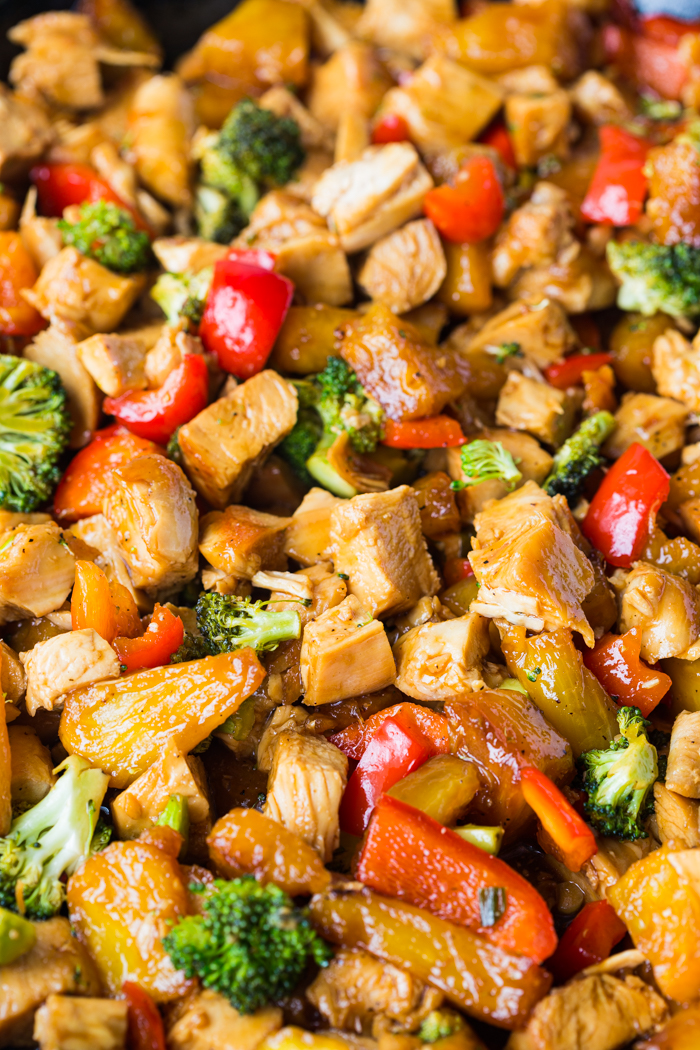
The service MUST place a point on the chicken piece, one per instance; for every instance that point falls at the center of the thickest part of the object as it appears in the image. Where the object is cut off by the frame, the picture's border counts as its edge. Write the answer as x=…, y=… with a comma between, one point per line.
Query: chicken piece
x=404, y=27
x=41, y=236
x=285, y=719
x=365, y=199
x=57, y=964
x=665, y=608
x=409, y=378
x=283, y=103
x=223, y=444
x=444, y=104
x=167, y=354
x=307, y=781
x=676, y=817
x=304, y=248
x=352, y=138
x=56, y=348
x=534, y=576
x=352, y=79
x=536, y=233
x=542, y=332
x=406, y=268
x=37, y=570
x=683, y=770
x=435, y=661
x=115, y=362
x=540, y=409
x=25, y=132
x=31, y=768
x=99, y=534
x=13, y=680
x=161, y=125
x=72, y=287
x=240, y=541
x=65, y=662
x=531, y=459
x=539, y=125
x=357, y=990
x=60, y=63
x=614, y=857
x=187, y=254
x=578, y=277
x=68, y=1023
x=598, y=100
x=207, y=1021
x=152, y=509
x=676, y=368
x=174, y=773
x=658, y=423
x=599, y=1012
x=308, y=535
x=344, y=653
x=326, y=590
x=379, y=545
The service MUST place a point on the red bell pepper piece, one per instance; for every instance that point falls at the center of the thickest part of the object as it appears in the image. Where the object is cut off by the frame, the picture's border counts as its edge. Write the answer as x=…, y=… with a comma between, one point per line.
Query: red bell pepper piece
x=618, y=187
x=622, y=510
x=569, y=372
x=472, y=209
x=496, y=136
x=17, y=271
x=60, y=185
x=616, y=663
x=397, y=748
x=646, y=61
x=154, y=648
x=409, y=855
x=391, y=128
x=146, y=1030
x=434, y=432
x=434, y=727
x=573, y=838
x=668, y=30
x=156, y=414
x=244, y=312
x=456, y=569
x=588, y=940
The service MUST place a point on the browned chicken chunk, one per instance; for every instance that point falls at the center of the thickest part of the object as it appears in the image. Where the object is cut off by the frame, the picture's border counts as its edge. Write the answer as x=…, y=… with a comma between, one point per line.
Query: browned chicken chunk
x=683, y=772
x=240, y=542
x=436, y=661
x=405, y=268
x=78, y=1023
x=65, y=662
x=665, y=607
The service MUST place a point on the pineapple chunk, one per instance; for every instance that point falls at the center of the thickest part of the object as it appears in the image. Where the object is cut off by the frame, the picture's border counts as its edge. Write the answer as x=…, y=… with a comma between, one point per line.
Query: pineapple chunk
x=538, y=408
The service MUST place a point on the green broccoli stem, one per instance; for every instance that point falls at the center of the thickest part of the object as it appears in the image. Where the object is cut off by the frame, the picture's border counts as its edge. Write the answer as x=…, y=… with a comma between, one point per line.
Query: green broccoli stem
x=230, y=623
x=579, y=455
x=176, y=815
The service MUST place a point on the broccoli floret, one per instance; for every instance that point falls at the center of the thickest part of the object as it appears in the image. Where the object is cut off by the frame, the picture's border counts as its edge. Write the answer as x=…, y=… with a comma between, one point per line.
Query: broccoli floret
x=619, y=779
x=439, y=1024
x=183, y=295
x=218, y=217
x=35, y=424
x=578, y=456
x=485, y=461
x=194, y=647
x=251, y=944
x=51, y=839
x=228, y=622
x=108, y=234
x=657, y=277
x=254, y=152
x=300, y=444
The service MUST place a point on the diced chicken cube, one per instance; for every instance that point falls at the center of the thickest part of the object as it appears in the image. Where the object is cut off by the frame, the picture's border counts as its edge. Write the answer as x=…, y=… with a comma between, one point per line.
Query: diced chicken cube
x=285, y=719
x=443, y=104
x=404, y=26
x=308, y=535
x=57, y=348
x=536, y=233
x=306, y=784
x=326, y=590
x=207, y=1021
x=60, y=664
x=240, y=541
x=99, y=534
x=167, y=353
x=41, y=236
x=61, y=61
x=676, y=368
x=539, y=125
x=344, y=653
x=676, y=817
x=538, y=408
x=187, y=254
x=31, y=766
x=683, y=770
x=37, y=570
x=225, y=442
x=174, y=773
x=543, y=333
x=25, y=132
x=613, y=859
x=435, y=661
x=72, y=287
x=534, y=576
x=367, y=198
x=161, y=124
x=664, y=607
x=598, y=100
x=379, y=545
x=115, y=362
x=352, y=79
x=57, y=964
x=76, y=1023
x=658, y=423
x=530, y=458
x=526, y=505
x=152, y=509
x=406, y=268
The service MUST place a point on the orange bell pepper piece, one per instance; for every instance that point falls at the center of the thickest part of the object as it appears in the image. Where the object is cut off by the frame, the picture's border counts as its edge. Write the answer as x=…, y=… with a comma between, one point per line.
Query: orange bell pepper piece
x=434, y=432
x=91, y=602
x=354, y=740
x=126, y=611
x=17, y=271
x=146, y=1030
x=617, y=665
x=570, y=834
x=163, y=636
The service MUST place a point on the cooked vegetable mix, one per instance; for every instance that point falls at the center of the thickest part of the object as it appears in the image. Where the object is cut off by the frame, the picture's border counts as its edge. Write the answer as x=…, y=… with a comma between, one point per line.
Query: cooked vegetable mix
x=350, y=529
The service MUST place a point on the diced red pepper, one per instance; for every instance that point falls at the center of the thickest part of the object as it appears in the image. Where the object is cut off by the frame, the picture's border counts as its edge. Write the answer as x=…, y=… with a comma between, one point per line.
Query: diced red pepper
x=618, y=187
x=456, y=569
x=60, y=185
x=616, y=663
x=434, y=432
x=391, y=128
x=434, y=727
x=570, y=833
x=397, y=748
x=17, y=271
x=244, y=312
x=646, y=61
x=668, y=30
x=497, y=137
x=588, y=940
x=472, y=209
x=409, y=855
x=569, y=372
x=156, y=414
x=154, y=648
x=146, y=1030
x=622, y=510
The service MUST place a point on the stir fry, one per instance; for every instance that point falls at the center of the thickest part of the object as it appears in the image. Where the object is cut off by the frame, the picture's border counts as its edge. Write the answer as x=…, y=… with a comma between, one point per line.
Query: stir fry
x=350, y=529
